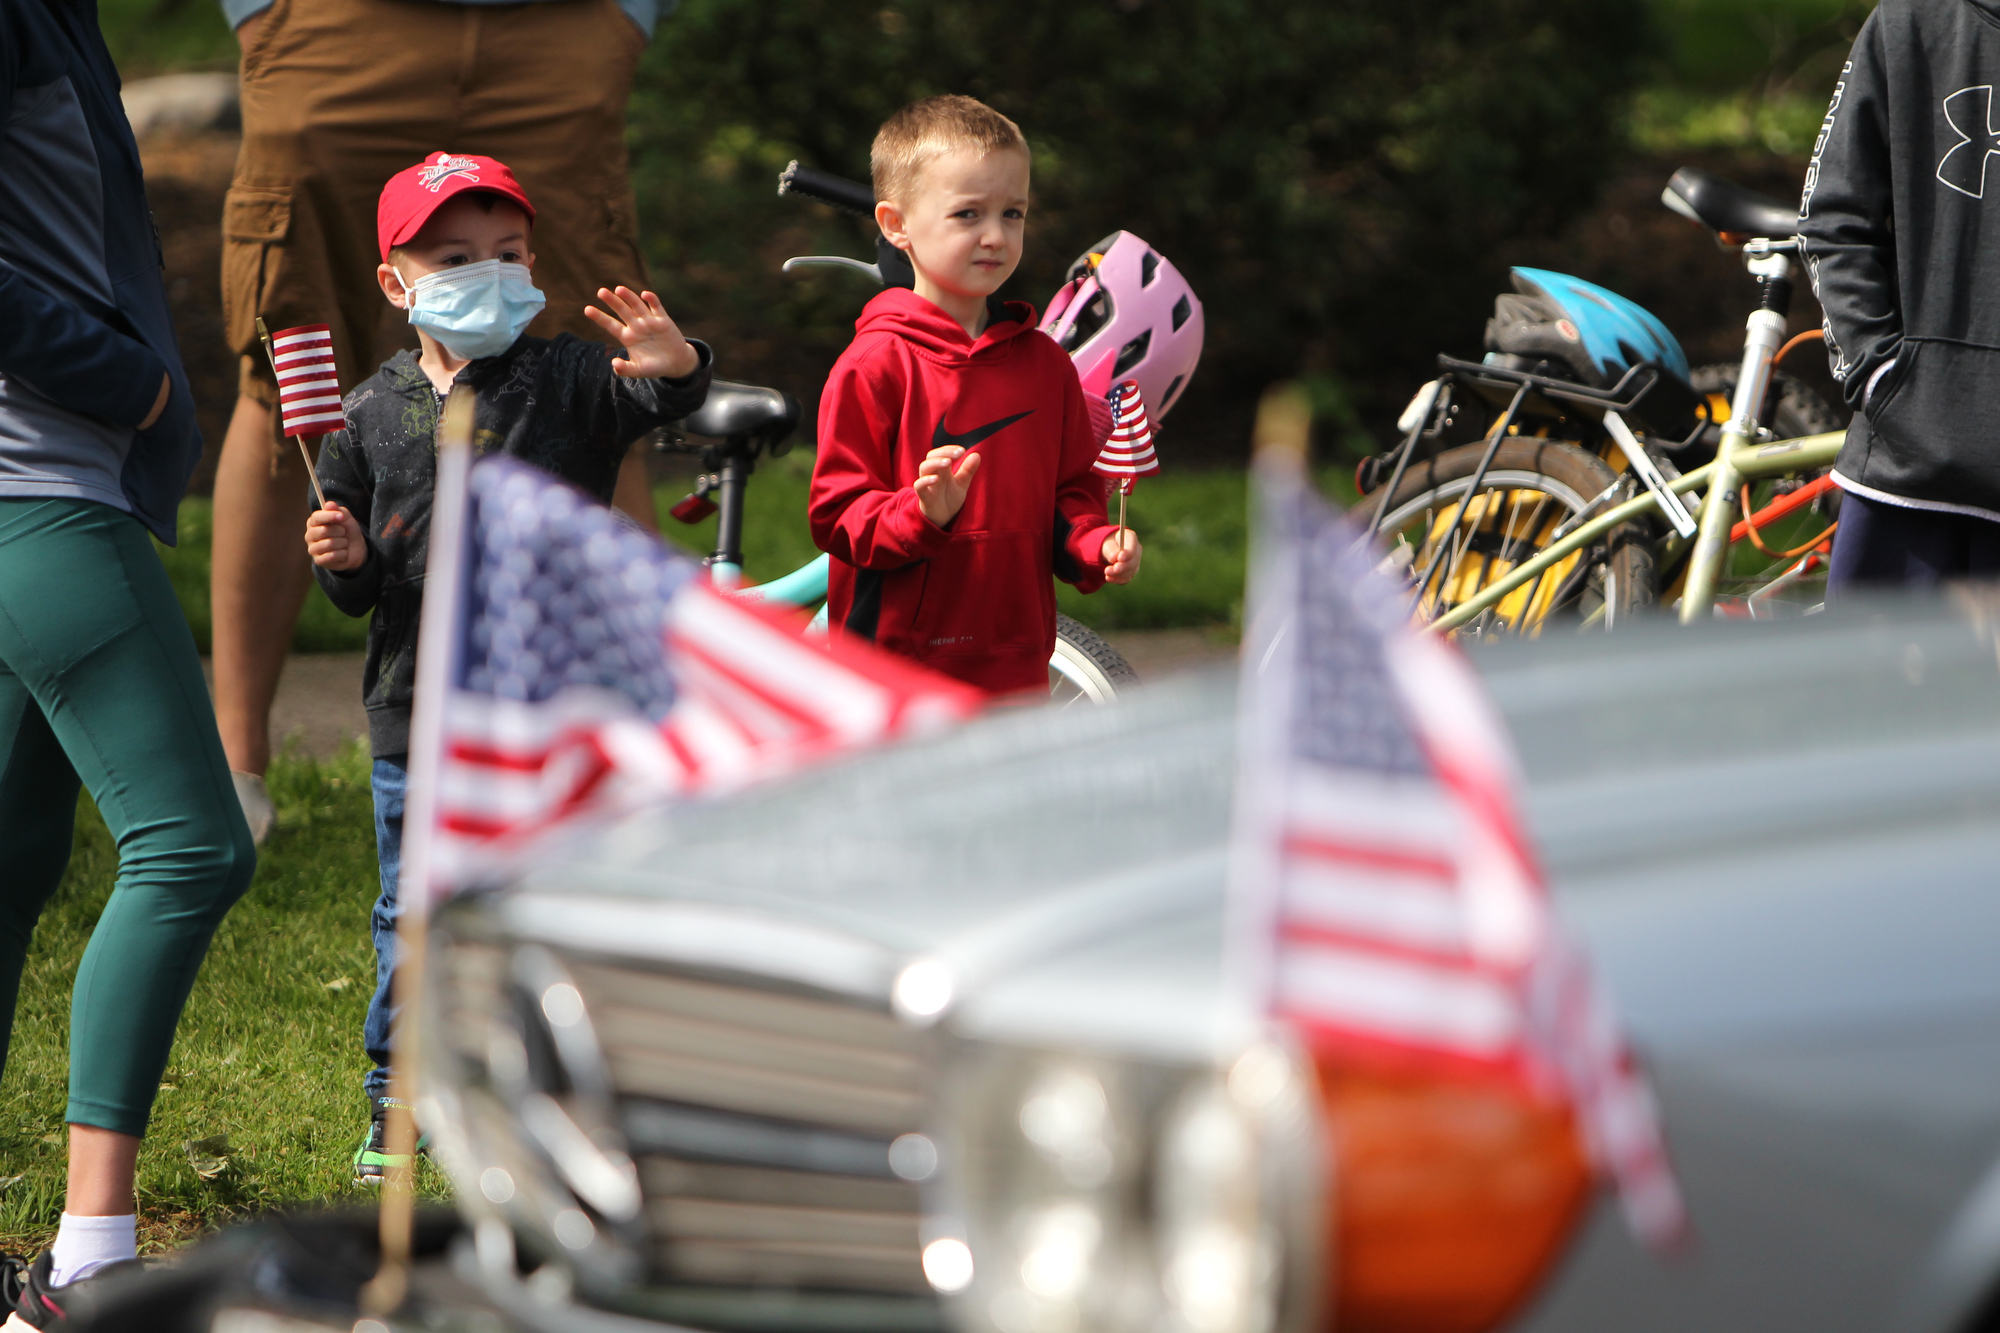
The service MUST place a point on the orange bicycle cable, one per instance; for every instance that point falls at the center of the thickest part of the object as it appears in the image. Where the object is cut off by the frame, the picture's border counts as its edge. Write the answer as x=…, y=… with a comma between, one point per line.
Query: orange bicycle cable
x=1750, y=530
x=1810, y=335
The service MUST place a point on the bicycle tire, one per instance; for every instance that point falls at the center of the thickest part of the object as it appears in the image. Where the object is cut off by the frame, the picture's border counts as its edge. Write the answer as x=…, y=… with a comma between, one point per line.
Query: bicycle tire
x=1616, y=573
x=1084, y=668
x=1792, y=407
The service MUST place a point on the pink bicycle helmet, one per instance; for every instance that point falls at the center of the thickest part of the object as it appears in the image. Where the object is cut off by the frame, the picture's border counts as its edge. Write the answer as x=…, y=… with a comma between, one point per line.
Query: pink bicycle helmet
x=1125, y=313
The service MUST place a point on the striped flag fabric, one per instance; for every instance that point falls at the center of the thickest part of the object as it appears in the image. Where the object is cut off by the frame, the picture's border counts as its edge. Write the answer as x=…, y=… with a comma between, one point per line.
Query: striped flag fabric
x=1127, y=453
x=308, y=389
x=1387, y=896
x=594, y=669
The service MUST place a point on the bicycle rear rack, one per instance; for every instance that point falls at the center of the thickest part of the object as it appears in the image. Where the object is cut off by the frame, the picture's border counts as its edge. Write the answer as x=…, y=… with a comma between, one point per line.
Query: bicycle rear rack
x=1623, y=397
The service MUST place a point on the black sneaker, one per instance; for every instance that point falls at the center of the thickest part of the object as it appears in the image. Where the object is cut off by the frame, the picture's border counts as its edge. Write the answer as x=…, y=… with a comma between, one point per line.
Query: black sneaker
x=38, y=1305
x=373, y=1159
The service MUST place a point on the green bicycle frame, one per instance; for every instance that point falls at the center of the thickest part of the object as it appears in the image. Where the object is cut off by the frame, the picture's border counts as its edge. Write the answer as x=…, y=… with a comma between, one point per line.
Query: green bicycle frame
x=1751, y=463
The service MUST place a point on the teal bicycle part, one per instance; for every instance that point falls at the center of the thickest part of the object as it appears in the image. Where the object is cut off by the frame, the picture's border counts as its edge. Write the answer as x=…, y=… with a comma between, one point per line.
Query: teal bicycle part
x=804, y=586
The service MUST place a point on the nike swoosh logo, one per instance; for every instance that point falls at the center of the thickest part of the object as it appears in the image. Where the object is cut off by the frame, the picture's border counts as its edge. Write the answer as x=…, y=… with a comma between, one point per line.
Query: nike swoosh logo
x=966, y=439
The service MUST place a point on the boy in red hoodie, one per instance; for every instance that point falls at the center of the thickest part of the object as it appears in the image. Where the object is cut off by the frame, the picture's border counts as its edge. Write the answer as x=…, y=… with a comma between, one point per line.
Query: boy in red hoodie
x=954, y=472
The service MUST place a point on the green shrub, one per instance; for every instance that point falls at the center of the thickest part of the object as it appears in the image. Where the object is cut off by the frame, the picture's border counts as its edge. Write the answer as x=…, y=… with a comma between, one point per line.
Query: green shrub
x=1333, y=178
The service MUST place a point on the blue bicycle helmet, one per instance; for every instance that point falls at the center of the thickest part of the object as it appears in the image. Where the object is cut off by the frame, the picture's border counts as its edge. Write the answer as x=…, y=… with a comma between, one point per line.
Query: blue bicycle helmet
x=1596, y=333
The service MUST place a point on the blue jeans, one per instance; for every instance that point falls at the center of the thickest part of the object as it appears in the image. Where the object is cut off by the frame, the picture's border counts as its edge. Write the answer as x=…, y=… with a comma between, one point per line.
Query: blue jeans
x=388, y=781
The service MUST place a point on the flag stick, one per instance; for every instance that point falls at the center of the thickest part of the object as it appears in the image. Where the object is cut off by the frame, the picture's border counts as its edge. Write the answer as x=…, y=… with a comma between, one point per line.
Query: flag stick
x=436, y=648
x=271, y=354
x=1124, y=489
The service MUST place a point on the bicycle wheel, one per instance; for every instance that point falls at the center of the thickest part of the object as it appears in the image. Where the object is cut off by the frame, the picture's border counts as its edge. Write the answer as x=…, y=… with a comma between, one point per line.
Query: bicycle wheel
x=1525, y=501
x=1084, y=668
x=1791, y=409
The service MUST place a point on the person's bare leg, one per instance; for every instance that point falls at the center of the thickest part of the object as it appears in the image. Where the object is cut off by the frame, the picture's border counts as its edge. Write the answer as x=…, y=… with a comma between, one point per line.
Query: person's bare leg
x=634, y=495
x=102, y=1166
x=258, y=579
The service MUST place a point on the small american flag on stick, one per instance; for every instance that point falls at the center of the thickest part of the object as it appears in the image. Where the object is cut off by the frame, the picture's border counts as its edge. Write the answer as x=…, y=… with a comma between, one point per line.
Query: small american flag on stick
x=1127, y=453
x=308, y=386
x=1388, y=904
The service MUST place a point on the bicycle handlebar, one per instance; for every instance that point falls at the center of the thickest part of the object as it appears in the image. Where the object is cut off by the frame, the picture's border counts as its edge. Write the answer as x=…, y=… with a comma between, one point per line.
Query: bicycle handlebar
x=827, y=188
x=892, y=266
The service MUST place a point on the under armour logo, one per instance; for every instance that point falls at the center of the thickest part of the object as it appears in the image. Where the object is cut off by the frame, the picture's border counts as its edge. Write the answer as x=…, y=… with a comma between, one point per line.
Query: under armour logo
x=433, y=175
x=1969, y=111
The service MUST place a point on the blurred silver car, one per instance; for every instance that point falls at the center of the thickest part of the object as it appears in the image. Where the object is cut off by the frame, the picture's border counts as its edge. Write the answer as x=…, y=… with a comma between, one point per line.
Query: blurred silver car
x=937, y=1037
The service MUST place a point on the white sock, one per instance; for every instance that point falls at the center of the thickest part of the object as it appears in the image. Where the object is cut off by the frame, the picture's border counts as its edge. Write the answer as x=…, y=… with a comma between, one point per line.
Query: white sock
x=85, y=1244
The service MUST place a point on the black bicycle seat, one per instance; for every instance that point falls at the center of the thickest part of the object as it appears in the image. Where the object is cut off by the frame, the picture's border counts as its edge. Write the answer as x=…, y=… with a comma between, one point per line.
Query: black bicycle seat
x=745, y=409
x=1727, y=208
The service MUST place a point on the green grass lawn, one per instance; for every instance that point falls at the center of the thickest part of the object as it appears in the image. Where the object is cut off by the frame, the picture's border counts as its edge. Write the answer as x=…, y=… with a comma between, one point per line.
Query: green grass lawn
x=1193, y=525
x=269, y=1052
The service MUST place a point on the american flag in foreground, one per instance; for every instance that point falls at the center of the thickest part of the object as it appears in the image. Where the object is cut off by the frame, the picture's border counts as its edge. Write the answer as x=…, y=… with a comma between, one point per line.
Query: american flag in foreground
x=1392, y=908
x=308, y=389
x=593, y=669
x=1127, y=453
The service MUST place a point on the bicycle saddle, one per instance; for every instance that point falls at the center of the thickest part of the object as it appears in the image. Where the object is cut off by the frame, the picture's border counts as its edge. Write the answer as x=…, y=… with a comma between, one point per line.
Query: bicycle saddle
x=1727, y=208
x=745, y=409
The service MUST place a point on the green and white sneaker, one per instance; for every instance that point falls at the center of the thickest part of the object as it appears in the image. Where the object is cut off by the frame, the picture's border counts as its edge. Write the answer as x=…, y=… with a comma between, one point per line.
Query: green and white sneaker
x=373, y=1159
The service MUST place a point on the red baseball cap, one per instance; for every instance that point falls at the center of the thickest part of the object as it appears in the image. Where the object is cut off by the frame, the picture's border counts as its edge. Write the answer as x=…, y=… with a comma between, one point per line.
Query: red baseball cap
x=414, y=193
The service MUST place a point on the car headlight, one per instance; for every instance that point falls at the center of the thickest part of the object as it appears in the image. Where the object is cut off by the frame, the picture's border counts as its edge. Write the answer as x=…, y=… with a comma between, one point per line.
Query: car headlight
x=1099, y=1194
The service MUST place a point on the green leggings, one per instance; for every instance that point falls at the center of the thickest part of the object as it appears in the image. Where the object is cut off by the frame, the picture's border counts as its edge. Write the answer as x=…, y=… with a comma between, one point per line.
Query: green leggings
x=100, y=682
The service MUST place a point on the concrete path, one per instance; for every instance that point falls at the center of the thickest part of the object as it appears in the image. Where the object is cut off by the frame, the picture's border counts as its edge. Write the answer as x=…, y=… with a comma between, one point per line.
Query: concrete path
x=319, y=696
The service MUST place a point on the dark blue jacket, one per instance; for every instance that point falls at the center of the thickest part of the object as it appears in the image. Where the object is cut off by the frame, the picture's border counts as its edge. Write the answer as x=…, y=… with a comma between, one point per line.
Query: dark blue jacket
x=90, y=351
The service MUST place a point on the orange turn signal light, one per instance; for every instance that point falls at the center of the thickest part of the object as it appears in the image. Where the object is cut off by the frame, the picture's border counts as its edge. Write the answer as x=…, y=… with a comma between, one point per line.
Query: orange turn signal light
x=1451, y=1199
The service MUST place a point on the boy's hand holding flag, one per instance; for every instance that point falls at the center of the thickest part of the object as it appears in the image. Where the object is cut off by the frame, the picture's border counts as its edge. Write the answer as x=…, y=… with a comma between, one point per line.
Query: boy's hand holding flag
x=1126, y=455
x=309, y=404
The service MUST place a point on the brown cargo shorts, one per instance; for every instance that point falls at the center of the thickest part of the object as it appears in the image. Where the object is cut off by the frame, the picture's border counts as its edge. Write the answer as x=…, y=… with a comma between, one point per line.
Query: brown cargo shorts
x=339, y=95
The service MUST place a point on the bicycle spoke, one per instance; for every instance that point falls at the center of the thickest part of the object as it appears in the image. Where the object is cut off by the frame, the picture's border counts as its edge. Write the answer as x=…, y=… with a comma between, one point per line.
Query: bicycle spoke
x=1528, y=528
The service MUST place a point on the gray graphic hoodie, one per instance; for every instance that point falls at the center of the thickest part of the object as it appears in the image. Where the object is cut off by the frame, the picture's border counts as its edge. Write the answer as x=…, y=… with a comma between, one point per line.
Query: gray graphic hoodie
x=1900, y=232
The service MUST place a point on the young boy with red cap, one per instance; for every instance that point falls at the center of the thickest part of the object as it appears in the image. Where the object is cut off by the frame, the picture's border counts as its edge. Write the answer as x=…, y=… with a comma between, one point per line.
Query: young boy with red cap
x=953, y=481
x=455, y=234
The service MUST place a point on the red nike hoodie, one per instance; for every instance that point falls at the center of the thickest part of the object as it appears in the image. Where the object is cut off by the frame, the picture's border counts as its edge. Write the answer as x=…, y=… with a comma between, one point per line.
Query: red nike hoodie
x=974, y=599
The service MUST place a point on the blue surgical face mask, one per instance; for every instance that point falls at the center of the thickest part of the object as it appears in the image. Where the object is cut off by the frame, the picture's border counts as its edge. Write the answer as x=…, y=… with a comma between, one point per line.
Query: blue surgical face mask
x=475, y=310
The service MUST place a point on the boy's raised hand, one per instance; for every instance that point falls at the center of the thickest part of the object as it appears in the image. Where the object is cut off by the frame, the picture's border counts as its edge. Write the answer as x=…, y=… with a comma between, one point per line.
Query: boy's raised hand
x=654, y=347
x=940, y=487
x=1121, y=556
x=334, y=539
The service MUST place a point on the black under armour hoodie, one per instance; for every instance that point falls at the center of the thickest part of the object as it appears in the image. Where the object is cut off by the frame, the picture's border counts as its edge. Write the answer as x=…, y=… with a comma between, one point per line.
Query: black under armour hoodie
x=1900, y=232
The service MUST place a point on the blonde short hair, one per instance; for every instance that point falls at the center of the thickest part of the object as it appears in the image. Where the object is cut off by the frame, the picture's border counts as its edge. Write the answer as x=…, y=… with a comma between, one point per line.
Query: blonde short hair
x=923, y=131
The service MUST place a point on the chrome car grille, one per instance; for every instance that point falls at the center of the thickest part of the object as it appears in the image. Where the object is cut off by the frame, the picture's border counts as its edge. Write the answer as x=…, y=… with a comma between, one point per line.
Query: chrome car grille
x=761, y=1123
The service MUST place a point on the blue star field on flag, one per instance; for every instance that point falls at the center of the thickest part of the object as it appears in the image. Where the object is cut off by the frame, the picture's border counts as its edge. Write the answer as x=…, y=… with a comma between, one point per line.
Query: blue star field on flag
x=563, y=593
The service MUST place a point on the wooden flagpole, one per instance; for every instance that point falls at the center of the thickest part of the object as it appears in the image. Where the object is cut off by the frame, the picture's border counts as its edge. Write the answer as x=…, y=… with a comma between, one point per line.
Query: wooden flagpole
x=271, y=354
x=437, y=646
